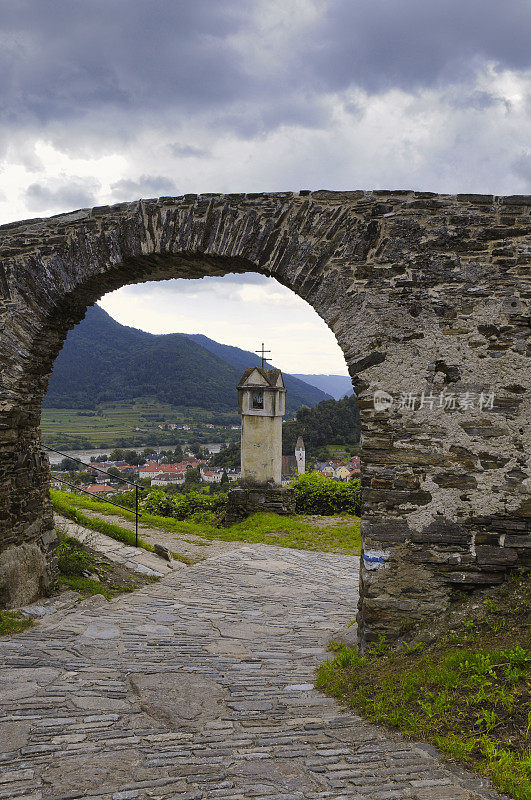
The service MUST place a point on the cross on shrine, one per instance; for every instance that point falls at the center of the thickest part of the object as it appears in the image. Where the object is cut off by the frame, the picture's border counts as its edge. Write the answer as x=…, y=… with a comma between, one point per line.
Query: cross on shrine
x=262, y=353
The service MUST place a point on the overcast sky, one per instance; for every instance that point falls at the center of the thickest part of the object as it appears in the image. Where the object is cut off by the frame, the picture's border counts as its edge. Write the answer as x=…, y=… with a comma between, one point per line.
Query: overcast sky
x=109, y=100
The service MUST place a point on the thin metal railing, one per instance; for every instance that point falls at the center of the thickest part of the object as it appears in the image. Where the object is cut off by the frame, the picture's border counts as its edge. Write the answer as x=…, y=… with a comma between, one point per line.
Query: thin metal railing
x=116, y=477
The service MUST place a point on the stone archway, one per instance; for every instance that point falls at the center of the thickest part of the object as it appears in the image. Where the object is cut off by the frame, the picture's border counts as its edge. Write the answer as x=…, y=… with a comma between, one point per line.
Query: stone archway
x=425, y=294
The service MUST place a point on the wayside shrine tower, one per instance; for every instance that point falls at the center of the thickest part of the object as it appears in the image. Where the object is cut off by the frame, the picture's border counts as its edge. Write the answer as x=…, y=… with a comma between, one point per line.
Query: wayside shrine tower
x=262, y=404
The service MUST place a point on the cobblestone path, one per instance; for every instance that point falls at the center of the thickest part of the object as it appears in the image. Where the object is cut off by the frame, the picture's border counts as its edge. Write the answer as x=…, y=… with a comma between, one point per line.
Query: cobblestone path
x=199, y=686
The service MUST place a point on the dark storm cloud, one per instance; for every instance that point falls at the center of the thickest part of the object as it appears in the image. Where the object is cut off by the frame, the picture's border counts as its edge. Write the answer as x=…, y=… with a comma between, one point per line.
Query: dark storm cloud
x=130, y=60
x=145, y=186
x=65, y=58
x=75, y=193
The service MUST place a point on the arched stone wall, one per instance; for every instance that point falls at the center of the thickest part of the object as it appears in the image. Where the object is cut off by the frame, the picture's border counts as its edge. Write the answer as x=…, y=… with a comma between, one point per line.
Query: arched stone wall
x=425, y=294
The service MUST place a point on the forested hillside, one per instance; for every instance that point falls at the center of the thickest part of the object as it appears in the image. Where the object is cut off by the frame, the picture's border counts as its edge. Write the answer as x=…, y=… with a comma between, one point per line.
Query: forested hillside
x=330, y=422
x=104, y=361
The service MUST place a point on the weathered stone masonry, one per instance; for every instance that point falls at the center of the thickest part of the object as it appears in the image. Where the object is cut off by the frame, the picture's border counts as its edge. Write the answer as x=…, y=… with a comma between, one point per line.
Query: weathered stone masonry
x=423, y=292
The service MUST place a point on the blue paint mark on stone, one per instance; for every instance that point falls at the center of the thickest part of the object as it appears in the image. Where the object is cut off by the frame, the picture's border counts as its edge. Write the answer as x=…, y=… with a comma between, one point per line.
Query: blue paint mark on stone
x=375, y=559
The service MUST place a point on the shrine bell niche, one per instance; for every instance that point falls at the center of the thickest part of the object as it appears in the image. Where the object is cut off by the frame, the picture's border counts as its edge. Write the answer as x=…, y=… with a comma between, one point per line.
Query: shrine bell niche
x=261, y=404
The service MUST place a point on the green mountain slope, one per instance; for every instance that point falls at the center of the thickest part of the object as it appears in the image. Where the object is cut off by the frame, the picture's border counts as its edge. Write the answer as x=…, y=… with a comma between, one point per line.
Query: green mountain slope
x=104, y=361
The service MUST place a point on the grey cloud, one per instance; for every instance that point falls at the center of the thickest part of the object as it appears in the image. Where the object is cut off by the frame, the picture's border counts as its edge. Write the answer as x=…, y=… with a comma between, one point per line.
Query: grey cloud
x=479, y=101
x=65, y=59
x=522, y=167
x=187, y=151
x=76, y=193
x=145, y=186
x=213, y=283
x=209, y=284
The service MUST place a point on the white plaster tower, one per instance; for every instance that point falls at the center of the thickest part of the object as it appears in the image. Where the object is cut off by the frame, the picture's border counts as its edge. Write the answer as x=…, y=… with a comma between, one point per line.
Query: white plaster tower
x=262, y=404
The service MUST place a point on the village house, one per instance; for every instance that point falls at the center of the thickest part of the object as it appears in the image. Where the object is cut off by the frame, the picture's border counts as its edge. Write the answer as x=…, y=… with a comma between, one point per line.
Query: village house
x=233, y=474
x=327, y=469
x=211, y=476
x=342, y=473
x=100, y=489
x=151, y=469
x=165, y=479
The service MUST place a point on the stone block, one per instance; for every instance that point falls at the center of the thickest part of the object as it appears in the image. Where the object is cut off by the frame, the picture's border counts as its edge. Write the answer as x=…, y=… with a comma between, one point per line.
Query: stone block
x=517, y=542
x=163, y=552
x=24, y=575
x=244, y=501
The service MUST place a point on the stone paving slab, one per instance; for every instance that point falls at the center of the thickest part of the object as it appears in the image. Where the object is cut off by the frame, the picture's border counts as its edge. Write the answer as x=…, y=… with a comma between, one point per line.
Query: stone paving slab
x=200, y=686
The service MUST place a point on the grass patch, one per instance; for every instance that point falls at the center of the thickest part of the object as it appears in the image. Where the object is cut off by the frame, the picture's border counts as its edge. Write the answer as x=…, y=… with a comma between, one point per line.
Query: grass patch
x=89, y=586
x=181, y=557
x=467, y=692
x=13, y=622
x=88, y=573
x=339, y=534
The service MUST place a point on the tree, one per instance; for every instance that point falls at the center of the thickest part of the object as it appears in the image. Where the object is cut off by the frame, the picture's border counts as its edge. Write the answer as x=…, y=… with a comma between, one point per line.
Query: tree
x=229, y=458
x=68, y=465
x=131, y=456
x=86, y=477
x=193, y=476
x=114, y=472
x=329, y=422
x=224, y=479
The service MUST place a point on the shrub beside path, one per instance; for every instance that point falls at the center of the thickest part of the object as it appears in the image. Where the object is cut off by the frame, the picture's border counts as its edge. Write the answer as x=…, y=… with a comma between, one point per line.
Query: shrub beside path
x=200, y=686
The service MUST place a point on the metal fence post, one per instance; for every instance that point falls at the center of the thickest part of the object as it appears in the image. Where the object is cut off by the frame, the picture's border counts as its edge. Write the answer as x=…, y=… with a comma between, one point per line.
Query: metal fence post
x=136, y=515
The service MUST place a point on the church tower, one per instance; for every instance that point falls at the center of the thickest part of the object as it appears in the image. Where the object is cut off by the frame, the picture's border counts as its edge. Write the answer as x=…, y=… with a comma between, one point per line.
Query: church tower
x=300, y=456
x=262, y=404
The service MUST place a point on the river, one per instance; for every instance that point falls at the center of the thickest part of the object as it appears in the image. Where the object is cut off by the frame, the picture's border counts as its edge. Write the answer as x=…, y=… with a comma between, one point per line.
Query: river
x=85, y=455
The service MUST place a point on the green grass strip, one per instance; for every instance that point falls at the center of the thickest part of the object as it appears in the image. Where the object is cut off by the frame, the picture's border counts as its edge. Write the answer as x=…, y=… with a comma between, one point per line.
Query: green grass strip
x=68, y=510
x=89, y=586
